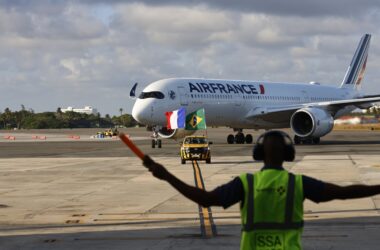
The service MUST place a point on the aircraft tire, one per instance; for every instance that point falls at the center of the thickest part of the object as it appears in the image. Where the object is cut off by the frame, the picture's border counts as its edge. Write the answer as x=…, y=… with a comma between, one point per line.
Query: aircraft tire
x=248, y=139
x=307, y=141
x=230, y=139
x=159, y=143
x=239, y=138
x=316, y=140
x=183, y=161
x=153, y=143
x=297, y=140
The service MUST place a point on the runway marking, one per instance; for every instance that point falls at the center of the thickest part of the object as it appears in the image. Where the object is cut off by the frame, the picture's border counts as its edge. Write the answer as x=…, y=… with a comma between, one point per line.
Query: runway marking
x=208, y=228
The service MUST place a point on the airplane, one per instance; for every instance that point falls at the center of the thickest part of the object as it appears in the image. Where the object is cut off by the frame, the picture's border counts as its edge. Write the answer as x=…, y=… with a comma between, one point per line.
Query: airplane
x=309, y=109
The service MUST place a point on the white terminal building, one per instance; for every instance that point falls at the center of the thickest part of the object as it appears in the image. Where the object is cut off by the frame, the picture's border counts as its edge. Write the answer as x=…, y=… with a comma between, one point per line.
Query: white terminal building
x=86, y=110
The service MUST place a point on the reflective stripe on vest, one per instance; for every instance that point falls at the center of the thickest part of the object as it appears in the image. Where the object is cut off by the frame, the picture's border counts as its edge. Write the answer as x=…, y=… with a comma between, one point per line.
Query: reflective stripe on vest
x=288, y=224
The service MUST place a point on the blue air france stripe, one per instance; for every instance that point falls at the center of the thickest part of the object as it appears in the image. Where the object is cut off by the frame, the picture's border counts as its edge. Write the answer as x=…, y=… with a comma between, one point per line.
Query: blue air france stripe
x=226, y=88
x=358, y=61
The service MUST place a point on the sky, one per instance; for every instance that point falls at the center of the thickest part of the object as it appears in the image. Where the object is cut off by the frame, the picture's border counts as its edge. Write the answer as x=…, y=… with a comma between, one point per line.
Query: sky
x=57, y=53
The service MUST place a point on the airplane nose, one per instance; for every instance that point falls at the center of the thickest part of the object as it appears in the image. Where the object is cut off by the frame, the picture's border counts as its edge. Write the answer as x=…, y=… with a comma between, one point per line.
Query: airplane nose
x=143, y=111
x=148, y=112
x=138, y=112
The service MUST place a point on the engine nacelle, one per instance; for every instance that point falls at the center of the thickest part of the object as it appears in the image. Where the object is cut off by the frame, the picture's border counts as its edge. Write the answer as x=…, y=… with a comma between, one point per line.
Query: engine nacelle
x=174, y=133
x=312, y=122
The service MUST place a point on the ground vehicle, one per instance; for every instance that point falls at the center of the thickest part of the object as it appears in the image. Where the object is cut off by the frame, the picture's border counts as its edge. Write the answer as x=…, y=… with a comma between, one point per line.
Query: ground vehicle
x=195, y=148
x=107, y=133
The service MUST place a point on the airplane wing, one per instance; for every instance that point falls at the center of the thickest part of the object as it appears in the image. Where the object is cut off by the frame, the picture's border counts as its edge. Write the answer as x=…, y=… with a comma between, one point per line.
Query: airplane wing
x=282, y=114
x=273, y=114
x=359, y=102
x=370, y=96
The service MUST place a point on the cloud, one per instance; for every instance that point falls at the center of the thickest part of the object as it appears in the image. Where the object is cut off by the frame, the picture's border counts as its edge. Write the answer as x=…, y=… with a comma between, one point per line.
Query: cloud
x=76, y=53
x=173, y=26
x=299, y=8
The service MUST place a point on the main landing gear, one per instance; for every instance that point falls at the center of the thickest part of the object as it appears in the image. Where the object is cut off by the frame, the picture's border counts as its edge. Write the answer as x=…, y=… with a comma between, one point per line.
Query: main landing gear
x=306, y=140
x=239, y=138
x=155, y=140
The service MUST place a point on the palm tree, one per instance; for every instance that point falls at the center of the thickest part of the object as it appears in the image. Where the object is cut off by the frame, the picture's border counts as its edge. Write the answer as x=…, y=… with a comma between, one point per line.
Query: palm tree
x=59, y=112
x=99, y=119
x=121, y=116
x=7, y=116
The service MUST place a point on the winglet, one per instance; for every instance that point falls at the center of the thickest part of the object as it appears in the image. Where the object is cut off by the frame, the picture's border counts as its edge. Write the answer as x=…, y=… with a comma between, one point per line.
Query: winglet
x=355, y=71
x=132, y=94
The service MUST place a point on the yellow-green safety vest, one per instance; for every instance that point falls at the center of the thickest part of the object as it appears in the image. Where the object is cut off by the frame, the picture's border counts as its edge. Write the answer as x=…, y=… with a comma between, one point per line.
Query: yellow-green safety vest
x=272, y=212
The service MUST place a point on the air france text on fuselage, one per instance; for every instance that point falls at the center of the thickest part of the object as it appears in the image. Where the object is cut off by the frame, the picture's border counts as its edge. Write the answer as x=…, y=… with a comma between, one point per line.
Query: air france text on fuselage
x=226, y=88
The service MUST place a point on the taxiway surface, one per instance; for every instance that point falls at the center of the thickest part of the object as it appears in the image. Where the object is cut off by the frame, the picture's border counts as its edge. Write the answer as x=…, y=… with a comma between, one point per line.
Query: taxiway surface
x=91, y=194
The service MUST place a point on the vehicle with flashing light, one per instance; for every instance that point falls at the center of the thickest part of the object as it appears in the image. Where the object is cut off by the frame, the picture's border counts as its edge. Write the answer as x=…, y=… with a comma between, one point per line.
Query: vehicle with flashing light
x=195, y=148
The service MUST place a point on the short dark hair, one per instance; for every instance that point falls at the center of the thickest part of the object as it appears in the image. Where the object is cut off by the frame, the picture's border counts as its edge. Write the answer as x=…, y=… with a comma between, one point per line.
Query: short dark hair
x=274, y=134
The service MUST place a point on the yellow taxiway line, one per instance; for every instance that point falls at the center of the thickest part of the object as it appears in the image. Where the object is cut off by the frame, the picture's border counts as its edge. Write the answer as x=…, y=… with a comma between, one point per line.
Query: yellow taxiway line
x=207, y=222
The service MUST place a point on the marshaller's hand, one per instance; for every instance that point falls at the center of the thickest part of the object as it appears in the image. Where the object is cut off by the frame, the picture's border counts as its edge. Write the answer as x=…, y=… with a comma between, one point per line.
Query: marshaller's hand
x=157, y=170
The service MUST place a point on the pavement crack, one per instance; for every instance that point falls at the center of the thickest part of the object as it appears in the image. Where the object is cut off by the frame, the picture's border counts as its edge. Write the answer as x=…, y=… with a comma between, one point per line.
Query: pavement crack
x=352, y=160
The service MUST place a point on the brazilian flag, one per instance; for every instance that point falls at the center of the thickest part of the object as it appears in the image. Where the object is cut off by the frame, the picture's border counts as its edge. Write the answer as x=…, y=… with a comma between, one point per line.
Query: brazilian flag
x=196, y=120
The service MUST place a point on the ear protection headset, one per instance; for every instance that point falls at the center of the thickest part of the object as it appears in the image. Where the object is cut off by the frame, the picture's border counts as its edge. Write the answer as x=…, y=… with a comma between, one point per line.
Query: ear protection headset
x=258, y=149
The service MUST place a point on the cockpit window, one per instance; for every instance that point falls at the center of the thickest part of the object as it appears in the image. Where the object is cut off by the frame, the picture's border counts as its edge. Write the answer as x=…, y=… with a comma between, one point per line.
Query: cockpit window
x=153, y=94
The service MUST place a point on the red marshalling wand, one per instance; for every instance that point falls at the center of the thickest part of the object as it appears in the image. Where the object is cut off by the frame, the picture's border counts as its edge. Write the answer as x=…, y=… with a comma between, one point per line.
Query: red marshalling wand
x=131, y=145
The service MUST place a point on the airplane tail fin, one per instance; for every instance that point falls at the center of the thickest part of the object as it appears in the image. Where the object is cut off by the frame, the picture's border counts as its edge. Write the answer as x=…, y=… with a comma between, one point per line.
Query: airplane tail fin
x=355, y=71
x=132, y=93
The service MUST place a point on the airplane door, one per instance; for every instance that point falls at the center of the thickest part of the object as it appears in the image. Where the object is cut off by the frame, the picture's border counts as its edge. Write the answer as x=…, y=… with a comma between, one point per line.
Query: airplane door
x=183, y=96
x=239, y=101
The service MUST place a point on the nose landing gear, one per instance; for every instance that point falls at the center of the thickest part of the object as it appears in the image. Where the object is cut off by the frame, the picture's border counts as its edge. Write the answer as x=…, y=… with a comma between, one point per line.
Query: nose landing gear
x=155, y=140
x=239, y=138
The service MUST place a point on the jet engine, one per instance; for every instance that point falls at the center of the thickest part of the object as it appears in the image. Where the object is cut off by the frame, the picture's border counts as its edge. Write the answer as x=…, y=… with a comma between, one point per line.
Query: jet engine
x=174, y=133
x=311, y=122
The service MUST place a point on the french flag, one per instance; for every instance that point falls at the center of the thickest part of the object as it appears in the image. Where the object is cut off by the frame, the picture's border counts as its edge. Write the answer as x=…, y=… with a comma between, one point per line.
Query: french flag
x=176, y=118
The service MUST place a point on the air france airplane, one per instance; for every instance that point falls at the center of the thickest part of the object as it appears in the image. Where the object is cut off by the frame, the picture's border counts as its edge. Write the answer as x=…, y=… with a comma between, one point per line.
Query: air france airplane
x=308, y=109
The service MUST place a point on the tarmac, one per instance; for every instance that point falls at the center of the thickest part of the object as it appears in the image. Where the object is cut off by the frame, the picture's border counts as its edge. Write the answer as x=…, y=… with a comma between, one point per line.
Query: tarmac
x=94, y=194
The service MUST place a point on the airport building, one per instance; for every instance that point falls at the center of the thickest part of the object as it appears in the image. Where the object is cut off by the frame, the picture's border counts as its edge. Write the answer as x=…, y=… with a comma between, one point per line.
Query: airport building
x=86, y=110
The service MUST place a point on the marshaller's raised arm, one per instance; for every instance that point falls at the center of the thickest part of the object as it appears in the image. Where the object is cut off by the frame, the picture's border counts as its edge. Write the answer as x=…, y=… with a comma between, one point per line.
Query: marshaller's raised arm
x=333, y=191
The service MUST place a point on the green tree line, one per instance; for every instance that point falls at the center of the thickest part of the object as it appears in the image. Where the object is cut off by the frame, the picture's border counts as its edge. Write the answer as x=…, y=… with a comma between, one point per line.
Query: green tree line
x=28, y=119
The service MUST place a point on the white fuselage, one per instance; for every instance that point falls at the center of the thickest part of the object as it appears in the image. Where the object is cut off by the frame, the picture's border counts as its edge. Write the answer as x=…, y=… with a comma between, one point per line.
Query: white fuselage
x=230, y=102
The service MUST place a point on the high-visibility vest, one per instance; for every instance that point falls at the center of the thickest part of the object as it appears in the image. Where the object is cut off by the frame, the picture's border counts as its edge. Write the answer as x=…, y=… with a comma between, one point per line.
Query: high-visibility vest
x=272, y=213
